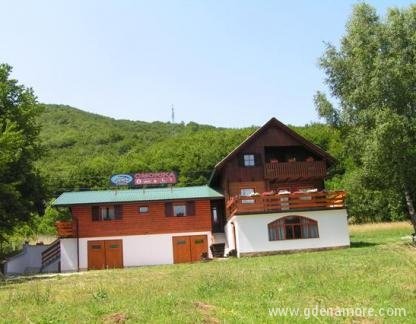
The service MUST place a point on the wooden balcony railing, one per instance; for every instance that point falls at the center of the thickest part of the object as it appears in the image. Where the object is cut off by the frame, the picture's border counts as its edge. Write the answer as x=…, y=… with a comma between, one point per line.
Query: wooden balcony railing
x=64, y=229
x=286, y=202
x=295, y=170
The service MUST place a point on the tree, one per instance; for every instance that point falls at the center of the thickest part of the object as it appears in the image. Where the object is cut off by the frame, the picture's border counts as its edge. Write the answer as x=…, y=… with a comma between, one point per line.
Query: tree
x=21, y=191
x=372, y=77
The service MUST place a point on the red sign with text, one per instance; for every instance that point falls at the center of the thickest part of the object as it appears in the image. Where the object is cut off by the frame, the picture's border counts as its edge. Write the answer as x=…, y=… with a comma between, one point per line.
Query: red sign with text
x=155, y=178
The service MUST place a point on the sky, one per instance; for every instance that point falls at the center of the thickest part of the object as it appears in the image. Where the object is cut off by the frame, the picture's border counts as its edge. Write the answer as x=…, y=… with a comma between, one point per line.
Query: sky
x=224, y=63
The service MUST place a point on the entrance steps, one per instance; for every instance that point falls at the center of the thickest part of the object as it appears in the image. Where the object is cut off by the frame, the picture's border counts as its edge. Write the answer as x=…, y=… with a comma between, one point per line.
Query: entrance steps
x=219, y=247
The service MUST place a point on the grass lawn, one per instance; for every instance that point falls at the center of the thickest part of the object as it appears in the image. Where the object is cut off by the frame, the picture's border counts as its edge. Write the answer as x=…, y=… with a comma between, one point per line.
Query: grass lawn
x=378, y=271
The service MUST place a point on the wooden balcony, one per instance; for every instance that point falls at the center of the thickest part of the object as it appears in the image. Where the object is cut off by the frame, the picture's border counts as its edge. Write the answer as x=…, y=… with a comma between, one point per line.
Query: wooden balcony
x=284, y=171
x=286, y=202
x=64, y=229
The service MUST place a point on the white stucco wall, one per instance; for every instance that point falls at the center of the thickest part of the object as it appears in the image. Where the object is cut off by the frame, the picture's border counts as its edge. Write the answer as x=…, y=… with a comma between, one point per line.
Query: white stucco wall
x=138, y=250
x=229, y=235
x=69, y=261
x=29, y=258
x=252, y=231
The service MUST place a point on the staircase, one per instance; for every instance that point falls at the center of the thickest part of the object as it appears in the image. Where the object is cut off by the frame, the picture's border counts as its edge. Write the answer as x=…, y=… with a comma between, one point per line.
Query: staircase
x=51, y=255
x=219, y=245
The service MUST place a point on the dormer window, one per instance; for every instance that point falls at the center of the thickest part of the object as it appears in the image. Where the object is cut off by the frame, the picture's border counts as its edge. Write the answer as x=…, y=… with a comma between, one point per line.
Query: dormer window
x=249, y=160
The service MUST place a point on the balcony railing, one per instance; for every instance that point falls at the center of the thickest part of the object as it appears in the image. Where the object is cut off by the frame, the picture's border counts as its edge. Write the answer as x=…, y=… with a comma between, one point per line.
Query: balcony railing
x=295, y=170
x=64, y=229
x=286, y=202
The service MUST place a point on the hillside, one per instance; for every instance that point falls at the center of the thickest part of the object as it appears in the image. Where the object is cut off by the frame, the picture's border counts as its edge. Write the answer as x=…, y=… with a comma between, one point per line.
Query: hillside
x=82, y=149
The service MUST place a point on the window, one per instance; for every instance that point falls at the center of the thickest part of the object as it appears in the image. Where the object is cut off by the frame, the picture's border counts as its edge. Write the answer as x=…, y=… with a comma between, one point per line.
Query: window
x=249, y=160
x=246, y=192
x=143, y=209
x=106, y=213
x=293, y=227
x=180, y=209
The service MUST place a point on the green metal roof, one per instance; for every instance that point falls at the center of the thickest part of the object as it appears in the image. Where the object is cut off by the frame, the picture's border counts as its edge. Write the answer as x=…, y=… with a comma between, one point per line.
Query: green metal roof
x=132, y=195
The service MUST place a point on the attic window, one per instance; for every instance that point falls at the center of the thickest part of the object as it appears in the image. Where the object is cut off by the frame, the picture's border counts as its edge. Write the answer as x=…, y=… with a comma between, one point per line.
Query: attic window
x=249, y=160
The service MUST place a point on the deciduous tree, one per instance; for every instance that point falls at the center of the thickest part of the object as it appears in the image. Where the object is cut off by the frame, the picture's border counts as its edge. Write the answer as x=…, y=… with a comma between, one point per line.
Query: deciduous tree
x=372, y=76
x=20, y=185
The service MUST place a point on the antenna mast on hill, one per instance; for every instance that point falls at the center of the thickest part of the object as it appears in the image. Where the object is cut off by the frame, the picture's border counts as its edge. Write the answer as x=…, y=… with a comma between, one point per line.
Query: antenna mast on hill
x=172, y=107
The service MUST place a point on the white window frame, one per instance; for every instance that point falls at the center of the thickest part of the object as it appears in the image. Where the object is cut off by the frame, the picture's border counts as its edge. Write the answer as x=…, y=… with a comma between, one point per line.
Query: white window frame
x=249, y=160
x=107, y=213
x=247, y=192
x=179, y=209
x=143, y=209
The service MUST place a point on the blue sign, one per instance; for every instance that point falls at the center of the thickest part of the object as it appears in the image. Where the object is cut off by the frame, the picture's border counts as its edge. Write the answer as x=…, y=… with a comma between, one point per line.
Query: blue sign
x=121, y=179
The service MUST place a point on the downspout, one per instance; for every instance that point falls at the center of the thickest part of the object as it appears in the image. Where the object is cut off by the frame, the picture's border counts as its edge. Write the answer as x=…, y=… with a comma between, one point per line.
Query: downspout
x=235, y=239
x=77, y=244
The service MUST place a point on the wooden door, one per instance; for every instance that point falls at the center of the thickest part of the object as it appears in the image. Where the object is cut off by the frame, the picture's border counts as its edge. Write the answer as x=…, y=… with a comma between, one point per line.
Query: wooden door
x=199, y=247
x=105, y=254
x=189, y=248
x=96, y=255
x=113, y=253
x=181, y=249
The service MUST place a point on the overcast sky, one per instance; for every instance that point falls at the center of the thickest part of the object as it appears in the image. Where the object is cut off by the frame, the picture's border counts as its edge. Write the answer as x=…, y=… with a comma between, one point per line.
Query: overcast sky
x=226, y=63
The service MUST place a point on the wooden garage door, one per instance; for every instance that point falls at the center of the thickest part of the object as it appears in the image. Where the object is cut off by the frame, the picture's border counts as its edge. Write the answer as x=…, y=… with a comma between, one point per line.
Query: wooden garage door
x=189, y=248
x=113, y=253
x=105, y=254
x=199, y=247
x=181, y=249
x=96, y=255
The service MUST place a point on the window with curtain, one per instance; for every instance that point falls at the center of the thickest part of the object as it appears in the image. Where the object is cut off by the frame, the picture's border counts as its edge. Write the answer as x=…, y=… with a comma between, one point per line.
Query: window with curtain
x=111, y=212
x=293, y=227
x=180, y=209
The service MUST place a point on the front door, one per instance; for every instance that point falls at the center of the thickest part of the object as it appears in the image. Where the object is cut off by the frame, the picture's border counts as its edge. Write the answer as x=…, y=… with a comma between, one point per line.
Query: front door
x=105, y=254
x=189, y=248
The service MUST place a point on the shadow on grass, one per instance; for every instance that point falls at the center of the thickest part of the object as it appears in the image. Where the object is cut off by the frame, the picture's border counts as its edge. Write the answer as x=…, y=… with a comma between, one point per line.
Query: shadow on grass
x=25, y=278
x=362, y=244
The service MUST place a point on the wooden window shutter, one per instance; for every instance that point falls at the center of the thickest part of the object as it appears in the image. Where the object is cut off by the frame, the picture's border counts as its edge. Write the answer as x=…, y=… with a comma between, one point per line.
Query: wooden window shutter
x=118, y=211
x=258, y=159
x=95, y=213
x=190, y=208
x=241, y=160
x=168, y=209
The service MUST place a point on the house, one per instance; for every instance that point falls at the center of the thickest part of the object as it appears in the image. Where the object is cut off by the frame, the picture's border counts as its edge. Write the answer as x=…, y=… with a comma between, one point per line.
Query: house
x=273, y=186
x=122, y=228
x=266, y=196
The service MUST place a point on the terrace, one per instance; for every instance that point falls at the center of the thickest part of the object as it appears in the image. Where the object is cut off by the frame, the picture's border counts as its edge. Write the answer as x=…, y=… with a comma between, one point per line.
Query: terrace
x=240, y=205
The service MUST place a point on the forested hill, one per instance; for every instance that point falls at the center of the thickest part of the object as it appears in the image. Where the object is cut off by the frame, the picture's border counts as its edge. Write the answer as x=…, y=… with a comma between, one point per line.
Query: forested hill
x=82, y=149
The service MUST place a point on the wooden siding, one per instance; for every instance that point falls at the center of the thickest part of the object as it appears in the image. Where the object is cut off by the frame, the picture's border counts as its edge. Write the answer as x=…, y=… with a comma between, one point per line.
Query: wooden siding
x=270, y=137
x=235, y=187
x=295, y=170
x=296, y=185
x=135, y=223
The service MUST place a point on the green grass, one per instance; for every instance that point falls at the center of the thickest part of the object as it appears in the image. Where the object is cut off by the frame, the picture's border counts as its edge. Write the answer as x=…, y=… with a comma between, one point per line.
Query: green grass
x=377, y=271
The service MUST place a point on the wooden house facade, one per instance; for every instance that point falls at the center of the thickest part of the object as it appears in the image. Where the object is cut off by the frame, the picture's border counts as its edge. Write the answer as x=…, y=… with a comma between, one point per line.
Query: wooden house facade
x=266, y=196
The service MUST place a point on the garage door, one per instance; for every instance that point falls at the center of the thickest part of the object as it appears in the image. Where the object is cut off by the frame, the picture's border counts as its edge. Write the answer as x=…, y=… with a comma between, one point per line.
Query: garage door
x=189, y=248
x=105, y=254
